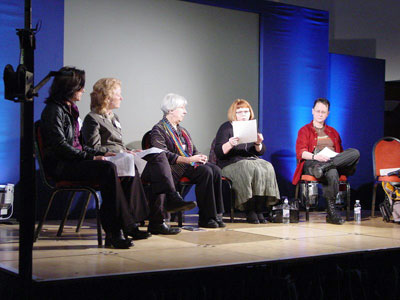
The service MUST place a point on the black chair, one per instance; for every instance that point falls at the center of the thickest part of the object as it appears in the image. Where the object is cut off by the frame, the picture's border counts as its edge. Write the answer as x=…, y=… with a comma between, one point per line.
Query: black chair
x=212, y=158
x=184, y=184
x=62, y=186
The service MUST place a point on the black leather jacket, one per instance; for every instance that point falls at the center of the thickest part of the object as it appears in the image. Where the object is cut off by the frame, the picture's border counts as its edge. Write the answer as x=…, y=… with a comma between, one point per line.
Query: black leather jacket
x=57, y=129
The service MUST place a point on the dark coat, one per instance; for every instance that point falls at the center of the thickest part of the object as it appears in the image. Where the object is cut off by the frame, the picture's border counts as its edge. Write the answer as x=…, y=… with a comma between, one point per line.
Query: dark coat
x=160, y=139
x=58, y=130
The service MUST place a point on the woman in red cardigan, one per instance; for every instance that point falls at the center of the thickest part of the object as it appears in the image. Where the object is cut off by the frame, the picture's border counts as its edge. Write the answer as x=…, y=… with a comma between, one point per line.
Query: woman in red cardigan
x=311, y=140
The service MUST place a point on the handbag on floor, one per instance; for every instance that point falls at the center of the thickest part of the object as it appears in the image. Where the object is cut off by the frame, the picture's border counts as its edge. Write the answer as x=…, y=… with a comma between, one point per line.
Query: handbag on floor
x=390, y=207
x=276, y=213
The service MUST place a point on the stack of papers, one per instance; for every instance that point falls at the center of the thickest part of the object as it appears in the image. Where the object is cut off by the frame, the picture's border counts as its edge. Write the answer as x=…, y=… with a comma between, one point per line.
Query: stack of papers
x=126, y=162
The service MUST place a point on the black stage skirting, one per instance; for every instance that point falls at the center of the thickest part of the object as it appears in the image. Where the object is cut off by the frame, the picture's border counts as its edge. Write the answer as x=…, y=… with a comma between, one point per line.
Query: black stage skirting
x=358, y=275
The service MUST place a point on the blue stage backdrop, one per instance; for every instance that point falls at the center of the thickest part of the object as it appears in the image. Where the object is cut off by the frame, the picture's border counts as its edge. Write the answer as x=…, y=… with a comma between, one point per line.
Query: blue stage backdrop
x=48, y=56
x=356, y=92
x=294, y=70
x=11, y=17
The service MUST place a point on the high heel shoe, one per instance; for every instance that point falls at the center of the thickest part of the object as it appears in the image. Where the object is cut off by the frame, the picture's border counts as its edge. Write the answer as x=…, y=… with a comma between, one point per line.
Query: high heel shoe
x=115, y=240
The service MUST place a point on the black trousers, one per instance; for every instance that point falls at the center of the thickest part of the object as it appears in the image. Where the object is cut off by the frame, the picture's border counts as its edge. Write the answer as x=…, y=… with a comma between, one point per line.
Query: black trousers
x=158, y=173
x=114, y=211
x=206, y=177
x=208, y=182
x=136, y=197
x=345, y=164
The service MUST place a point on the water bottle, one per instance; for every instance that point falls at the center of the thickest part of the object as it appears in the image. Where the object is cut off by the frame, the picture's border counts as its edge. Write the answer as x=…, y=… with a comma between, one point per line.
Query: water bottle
x=357, y=212
x=285, y=211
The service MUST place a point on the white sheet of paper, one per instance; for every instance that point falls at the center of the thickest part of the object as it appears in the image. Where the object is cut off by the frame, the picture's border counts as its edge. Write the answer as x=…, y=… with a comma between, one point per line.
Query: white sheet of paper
x=246, y=131
x=125, y=163
x=384, y=172
x=151, y=150
x=328, y=152
x=140, y=164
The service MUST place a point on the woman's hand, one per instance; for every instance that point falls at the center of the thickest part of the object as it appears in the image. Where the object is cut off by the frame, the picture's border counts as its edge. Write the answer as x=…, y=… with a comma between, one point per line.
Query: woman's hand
x=133, y=152
x=99, y=157
x=321, y=158
x=233, y=141
x=199, y=158
x=260, y=138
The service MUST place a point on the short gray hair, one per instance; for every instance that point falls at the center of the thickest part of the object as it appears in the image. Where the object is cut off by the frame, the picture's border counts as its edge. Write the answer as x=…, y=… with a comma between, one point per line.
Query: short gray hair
x=172, y=101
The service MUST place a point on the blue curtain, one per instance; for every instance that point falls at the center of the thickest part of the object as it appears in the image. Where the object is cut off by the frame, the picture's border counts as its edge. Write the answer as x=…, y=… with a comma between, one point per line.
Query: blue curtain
x=356, y=92
x=48, y=56
x=294, y=70
x=11, y=17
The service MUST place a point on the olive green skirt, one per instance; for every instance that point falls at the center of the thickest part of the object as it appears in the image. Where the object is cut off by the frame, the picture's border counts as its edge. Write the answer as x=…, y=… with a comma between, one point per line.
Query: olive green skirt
x=252, y=177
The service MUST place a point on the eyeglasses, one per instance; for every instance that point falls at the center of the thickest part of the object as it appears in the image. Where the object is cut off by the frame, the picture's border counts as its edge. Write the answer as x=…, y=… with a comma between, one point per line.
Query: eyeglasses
x=243, y=111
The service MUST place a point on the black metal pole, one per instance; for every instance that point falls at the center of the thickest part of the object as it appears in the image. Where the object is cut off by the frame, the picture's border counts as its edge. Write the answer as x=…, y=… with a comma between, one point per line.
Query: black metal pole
x=27, y=165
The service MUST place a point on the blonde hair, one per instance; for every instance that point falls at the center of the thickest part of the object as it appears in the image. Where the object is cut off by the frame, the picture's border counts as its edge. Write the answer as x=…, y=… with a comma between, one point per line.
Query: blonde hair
x=103, y=90
x=239, y=103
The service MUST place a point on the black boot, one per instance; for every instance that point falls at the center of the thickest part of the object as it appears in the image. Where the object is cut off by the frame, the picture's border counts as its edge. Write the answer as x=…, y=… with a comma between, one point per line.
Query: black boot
x=318, y=170
x=134, y=232
x=332, y=215
x=251, y=215
x=175, y=203
x=116, y=240
x=260, y=209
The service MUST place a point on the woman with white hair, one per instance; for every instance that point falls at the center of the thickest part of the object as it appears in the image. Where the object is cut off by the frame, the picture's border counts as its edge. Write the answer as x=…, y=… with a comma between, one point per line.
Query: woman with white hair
x=102, y=131
x=186, y=161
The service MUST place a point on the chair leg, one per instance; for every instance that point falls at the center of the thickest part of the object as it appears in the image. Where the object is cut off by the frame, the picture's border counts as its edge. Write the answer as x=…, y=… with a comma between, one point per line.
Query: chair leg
x=181, y=214
x=296, y=191
x=41, y=222
x=348, y=201
x=65, y=215
x=232, y=195
x=307, y=202
x=99, y=234
x=180, y=218
x=83, y=213
x=373, y=200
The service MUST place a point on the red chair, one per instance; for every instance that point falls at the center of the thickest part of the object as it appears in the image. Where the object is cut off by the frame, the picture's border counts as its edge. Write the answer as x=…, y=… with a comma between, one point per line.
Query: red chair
x=184, y=183
x=62, y=186
x=307, y=181
x=385, y=155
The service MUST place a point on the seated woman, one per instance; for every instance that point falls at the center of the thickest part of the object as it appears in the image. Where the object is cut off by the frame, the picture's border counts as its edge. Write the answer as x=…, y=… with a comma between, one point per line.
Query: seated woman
x=185, y=161
x=102, y=131
x=311, y=139
x=253, y=179
x=65, y=158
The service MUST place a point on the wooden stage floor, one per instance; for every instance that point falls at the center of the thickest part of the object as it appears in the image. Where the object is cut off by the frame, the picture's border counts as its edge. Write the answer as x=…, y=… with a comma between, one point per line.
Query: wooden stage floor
x=77, y=255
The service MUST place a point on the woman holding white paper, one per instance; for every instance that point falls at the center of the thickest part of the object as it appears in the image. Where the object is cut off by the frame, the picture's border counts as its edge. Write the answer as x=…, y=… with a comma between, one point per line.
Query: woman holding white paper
x=101, y=131
x=320, y=153
x=253, y=178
